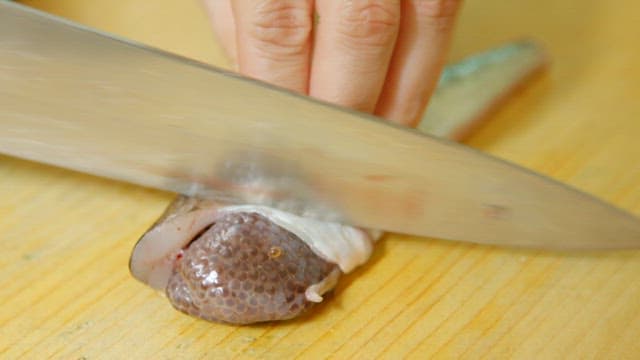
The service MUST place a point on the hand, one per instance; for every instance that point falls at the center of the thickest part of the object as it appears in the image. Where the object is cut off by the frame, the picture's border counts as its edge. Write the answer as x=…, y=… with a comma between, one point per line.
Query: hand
x=377, y=56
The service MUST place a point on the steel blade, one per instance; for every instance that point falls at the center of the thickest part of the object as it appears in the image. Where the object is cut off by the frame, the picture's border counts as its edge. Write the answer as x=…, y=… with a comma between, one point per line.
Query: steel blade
x=80, y=99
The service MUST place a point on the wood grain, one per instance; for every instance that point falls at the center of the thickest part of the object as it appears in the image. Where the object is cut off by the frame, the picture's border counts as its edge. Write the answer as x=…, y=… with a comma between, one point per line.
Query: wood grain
x=65, y=237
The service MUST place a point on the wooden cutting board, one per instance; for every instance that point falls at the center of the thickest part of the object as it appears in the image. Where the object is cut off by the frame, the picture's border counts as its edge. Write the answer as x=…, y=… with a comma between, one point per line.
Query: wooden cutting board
x=65, y=237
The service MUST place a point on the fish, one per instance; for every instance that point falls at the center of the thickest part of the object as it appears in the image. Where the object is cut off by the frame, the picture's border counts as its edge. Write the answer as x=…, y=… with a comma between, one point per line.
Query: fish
x=244, y=264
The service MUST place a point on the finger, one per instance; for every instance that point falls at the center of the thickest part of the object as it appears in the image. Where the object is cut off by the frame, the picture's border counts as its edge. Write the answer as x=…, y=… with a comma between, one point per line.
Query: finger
x=273, y=40
x=223, y=26
x=353, y=47
x=423, y=41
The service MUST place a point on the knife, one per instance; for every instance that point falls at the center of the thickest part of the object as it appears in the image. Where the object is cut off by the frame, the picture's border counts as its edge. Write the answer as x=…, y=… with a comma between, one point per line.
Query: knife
x=73, y=97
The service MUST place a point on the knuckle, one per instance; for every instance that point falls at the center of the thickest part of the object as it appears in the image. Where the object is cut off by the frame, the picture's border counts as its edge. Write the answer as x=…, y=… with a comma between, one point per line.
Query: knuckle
x=281, y=26
x=370, y=22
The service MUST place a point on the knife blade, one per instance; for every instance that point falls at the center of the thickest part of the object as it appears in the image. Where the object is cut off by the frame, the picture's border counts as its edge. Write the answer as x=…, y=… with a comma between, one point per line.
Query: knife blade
x=74, y=97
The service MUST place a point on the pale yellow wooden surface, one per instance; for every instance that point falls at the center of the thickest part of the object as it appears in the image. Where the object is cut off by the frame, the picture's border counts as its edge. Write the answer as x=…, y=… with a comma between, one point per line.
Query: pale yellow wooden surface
x=65, y=238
